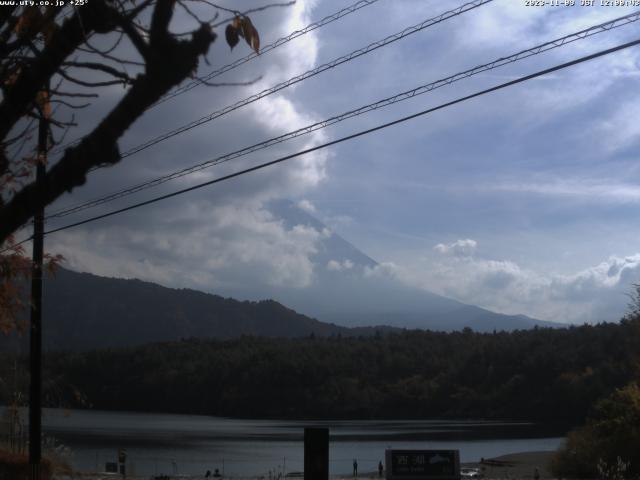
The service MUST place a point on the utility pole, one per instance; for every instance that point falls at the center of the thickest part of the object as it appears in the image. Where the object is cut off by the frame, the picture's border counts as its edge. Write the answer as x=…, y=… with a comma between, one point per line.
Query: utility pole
x=35, y=352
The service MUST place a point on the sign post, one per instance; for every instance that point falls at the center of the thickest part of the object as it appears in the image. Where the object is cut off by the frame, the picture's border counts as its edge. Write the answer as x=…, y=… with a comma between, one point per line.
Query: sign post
x=316, y=454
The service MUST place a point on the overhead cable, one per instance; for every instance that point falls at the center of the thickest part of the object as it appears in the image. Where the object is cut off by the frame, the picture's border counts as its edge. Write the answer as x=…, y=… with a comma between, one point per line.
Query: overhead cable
x=350, y=137
x=281, y=41
x=241, y=61
x=308, y=74
x=422, y=89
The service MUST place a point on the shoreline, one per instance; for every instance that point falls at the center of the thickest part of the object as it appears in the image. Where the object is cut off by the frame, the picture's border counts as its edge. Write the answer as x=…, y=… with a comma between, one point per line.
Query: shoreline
x=519, y=465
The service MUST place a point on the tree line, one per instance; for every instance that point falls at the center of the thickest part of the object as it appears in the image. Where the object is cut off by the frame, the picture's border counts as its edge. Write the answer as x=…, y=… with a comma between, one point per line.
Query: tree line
x=547, y=375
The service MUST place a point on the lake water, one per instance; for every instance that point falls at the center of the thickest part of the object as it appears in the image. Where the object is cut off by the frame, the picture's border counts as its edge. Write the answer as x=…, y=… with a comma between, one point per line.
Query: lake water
x=187, y=444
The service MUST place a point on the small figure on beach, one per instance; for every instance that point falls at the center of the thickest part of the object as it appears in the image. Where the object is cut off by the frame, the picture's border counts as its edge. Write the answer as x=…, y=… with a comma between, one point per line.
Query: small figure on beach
x=216, y=473
x=355, y=467
x=208, y=474
x=380, y=468
x=536, y=474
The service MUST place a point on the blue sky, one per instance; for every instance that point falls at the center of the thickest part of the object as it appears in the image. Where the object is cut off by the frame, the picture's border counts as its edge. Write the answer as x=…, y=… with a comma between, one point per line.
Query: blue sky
x=522, y=201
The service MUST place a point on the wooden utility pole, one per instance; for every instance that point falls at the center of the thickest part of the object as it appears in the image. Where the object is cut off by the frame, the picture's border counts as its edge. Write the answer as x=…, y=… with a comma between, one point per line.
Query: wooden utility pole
x=35, y=352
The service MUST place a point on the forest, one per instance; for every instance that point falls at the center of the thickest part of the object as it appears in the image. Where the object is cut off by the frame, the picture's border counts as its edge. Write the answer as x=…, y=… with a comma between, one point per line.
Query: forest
x=546, y=375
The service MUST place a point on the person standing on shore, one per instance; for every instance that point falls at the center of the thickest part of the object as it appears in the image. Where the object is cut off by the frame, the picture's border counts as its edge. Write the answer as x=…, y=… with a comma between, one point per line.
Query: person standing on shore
x=355, y=467
x=380, y=469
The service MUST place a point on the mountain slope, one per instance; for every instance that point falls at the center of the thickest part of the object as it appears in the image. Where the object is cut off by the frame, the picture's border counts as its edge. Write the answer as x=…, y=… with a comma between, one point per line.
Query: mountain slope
x=84, y=311
x=352, y=289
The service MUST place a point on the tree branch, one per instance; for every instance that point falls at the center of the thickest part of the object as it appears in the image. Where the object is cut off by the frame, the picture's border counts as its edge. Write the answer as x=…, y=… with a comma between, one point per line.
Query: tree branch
x=83, y=83
x=114, y=72
x=95, y=16
x=167, y=67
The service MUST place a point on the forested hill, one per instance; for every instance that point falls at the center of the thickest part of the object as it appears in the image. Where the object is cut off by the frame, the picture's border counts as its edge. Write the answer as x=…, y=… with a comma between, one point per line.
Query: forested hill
x=84, y=311
x=539, y=374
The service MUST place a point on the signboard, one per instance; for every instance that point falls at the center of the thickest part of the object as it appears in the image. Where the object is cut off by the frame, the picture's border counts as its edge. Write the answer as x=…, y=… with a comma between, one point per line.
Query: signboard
x=422, y=464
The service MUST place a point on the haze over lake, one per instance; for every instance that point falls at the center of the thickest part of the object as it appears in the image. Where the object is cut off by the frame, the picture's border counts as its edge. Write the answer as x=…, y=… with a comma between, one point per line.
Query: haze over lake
x=164, y=443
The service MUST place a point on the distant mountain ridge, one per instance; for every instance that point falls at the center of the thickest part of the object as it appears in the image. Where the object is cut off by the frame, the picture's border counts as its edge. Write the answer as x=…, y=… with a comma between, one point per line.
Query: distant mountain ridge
x=84, y=311
x=350, y=296
x=351, y=289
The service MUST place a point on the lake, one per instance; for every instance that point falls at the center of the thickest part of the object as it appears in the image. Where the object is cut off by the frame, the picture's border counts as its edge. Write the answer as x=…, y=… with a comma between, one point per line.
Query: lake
x=188, y=444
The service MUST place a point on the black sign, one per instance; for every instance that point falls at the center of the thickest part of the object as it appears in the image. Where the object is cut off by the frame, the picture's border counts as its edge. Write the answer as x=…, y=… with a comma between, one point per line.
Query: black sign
x=316, y=453
x=422, y=464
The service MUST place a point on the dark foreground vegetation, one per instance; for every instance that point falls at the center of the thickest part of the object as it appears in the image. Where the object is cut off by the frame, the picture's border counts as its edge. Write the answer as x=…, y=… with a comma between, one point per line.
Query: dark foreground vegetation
x=549, y=375
x=608, y=446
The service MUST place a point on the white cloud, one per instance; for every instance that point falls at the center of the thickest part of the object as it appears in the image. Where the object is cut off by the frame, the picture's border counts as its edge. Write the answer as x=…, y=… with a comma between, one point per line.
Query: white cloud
x=224, y=246
x=591, y=190
x=307, y=206
x=222, y=235
x=459, y=248
x=597, y=293
x=337, y=266
x=619, y=130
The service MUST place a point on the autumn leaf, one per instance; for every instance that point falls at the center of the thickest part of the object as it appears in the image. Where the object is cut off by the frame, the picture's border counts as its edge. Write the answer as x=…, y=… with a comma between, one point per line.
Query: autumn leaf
x=255, y=40
x=231, y=33
x=42, y=99
x=29, y=22
x=250, y=34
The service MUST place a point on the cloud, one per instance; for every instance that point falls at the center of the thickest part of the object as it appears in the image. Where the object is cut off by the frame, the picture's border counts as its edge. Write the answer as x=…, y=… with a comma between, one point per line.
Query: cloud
x=307, y=206
x=459, y=248
x=618, y=131
x=221, y=235
x=337, y=266
x=224, y=246
x=589, y=190
x=596, y=293
x=224, y=236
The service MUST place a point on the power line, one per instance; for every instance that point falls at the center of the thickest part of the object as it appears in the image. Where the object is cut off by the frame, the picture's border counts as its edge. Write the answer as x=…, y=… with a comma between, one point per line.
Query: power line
x=267, y=48
x=352, y=136
x=603, y=27
x=281, y=41
x=308, y=74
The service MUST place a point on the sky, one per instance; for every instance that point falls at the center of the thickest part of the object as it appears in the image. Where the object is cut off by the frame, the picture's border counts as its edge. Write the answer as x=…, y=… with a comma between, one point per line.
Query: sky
x=522, y=201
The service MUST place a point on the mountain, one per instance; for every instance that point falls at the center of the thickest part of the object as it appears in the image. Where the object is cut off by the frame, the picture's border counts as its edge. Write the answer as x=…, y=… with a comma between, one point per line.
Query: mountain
x=85, y=311
x=350, y=295
x=352, y=289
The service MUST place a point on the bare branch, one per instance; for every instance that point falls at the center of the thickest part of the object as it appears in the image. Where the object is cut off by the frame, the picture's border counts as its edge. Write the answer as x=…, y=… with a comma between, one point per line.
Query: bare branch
x=17, y=99
x=111, y=57
x=252, y=10
x=70, y=105
x=101, y=67
x=135, y=37
x=69, y=94
x=108, y=50
x=89, y=84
